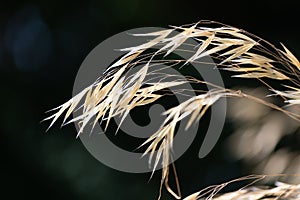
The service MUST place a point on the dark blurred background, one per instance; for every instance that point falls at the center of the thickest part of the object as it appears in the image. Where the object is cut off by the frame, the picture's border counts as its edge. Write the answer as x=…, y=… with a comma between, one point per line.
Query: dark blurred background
x=42, y=44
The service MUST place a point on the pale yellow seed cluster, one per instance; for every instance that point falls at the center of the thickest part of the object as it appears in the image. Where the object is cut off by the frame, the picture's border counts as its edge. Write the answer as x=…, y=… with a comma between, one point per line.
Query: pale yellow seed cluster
x=117, y=92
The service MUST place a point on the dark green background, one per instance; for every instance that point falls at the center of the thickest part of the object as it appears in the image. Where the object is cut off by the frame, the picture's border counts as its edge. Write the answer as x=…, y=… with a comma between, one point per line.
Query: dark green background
x=42, y=44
